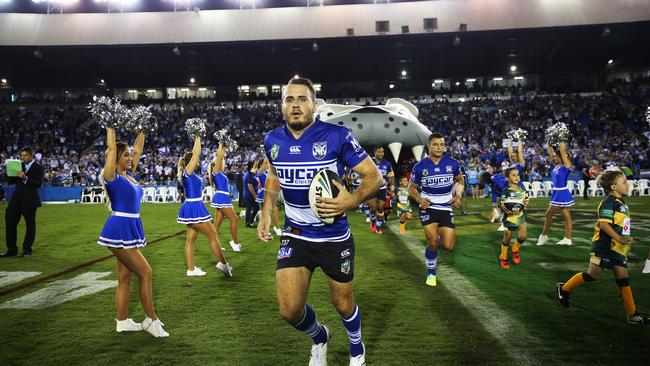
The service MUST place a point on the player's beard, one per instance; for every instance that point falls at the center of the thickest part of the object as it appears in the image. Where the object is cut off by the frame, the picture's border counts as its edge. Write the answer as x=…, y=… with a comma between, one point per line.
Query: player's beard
x=301, y=124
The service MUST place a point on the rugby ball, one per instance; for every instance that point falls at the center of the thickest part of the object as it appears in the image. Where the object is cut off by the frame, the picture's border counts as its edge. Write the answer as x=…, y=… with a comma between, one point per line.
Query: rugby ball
x=513, y=206
x=321, y=187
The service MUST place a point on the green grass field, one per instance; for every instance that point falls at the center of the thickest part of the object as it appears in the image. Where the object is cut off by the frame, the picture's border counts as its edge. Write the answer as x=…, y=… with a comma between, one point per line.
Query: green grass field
x=478, y=314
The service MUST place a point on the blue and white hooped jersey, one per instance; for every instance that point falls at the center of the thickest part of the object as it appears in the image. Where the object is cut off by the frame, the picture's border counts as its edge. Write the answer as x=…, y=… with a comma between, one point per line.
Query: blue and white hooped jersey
x=436, y=180
x=384, y=168
x=296, y=162
x=560, y=177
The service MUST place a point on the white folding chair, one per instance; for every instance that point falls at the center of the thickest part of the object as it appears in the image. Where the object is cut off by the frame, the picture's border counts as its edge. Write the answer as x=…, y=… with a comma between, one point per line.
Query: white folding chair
x=632, y=187
x=207, y=194
x=643, y=186
x=595, y=189
x=171, y=195
x=98, y=195
x=537, y=189
x=161, y=192
x=149, y=194
x=548, y=187
x=87, y=195
x=573, y=186
x=581, y=187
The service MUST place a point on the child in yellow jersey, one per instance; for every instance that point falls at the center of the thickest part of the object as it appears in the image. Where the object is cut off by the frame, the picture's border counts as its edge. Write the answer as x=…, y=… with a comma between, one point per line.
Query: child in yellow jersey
x=610, y=244
x=514, y=200
x=403, y=205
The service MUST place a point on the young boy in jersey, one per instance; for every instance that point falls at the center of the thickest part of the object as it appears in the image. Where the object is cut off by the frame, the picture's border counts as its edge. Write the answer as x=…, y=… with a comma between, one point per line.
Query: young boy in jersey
x=513, y=220
x=403, y=205
x=610, y=244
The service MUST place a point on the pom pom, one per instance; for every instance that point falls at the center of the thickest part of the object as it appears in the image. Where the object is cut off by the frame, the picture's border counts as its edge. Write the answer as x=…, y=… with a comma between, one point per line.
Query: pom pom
x=557, y=133
x=517, y=135
x=261, y=151
x=229, y=145
x=109, y=113
x=140, y=119
x=195, y=127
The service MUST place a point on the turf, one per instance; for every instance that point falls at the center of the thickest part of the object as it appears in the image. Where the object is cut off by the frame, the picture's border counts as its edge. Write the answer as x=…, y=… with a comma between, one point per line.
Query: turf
x=218, y=321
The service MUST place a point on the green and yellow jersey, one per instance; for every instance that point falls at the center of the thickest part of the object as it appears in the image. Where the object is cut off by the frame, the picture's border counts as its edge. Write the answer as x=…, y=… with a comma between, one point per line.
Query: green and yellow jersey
x=615, y=212
x=510, y=196
x=403, y=203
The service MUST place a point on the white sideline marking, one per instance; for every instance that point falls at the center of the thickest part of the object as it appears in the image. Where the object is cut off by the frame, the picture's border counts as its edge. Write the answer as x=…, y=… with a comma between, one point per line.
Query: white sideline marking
x=491, y=316
x=580, y=266
x=59, y=292
x=7, y=278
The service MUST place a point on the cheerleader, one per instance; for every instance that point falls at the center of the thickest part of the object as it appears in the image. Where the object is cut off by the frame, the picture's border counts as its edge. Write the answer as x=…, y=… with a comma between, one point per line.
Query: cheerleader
x=561, y=198
x=123, y=233
x=261, y=177
x=221, y=198
x=194, y=214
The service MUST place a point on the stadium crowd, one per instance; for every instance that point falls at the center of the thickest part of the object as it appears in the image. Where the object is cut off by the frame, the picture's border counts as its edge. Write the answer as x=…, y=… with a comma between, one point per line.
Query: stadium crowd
x=607, y=127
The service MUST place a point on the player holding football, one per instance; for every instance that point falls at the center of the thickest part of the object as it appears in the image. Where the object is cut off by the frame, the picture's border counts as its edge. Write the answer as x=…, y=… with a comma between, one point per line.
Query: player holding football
x=438, y=176
x=513, y=218
x=297, y=151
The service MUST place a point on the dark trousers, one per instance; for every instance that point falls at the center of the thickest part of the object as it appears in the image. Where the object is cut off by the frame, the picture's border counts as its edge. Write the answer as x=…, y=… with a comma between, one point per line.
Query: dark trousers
x=241, y=196
x=585, y=195
x=251, y=210
x=12, y=217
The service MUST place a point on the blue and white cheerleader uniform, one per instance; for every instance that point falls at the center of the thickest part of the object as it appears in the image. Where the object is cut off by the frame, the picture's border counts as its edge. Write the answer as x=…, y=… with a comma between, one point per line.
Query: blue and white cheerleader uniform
x=561, y=196
x=123, y=229
x=221, y=197
x=260, y=192
x=193, y=210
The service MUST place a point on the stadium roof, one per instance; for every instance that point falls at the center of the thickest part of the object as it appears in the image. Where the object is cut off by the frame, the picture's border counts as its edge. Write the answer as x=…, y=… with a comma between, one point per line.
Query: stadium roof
x=101, y=6
x=579, y=50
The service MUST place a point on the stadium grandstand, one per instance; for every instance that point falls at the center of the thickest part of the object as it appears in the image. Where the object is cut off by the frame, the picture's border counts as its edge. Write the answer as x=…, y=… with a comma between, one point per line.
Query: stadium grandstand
x=474, y=69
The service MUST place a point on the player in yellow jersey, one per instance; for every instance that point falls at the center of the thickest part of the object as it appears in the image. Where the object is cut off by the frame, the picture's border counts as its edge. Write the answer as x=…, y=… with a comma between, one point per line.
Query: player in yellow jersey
x=514, y=200
x=610, y=244
x=403, y=205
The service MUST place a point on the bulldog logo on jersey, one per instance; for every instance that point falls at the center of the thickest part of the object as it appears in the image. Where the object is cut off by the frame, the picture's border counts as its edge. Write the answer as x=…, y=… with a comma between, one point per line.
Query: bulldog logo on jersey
x=274, y=151
x=425, y=172
x=319, y=149
x=448, y=168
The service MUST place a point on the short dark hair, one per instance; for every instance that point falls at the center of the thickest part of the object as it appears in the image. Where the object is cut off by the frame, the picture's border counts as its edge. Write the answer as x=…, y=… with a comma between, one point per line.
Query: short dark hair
x=302, y=81
x=249, y=166
x=27, y=149
x=608, y=178
x=508, y=171
x=435, y=135
x=379, y=147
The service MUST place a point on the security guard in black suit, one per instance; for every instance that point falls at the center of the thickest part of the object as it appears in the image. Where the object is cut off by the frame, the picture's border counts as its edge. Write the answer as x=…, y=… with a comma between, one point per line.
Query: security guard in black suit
x=24, y=202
